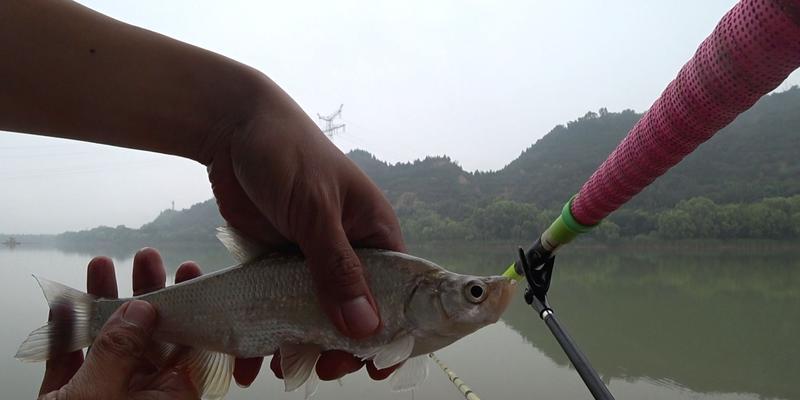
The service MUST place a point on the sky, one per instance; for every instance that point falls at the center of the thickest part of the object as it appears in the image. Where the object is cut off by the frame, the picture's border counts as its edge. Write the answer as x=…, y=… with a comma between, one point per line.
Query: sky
x=478, y=81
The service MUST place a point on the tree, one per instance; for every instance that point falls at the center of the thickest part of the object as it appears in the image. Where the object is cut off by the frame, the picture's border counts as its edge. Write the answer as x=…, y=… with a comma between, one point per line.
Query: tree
x=703, y=213
x=676, y=224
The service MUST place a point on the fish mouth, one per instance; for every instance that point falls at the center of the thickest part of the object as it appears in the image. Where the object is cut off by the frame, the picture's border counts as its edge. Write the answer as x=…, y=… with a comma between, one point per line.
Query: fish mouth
x=509, y=288
x=506, y=287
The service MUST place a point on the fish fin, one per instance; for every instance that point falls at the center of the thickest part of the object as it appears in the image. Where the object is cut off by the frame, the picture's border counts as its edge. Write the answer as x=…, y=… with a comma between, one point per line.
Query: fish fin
x=68, y=329
x=297, y=363
x=391, y=353
x=210, y=371
x=241, y=248
x=311, y=385
x=412, y=373
x=164, y=354
x=165, y=351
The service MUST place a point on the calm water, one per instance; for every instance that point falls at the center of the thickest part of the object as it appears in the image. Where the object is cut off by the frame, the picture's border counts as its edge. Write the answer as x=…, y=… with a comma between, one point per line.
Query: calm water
x=714, y=324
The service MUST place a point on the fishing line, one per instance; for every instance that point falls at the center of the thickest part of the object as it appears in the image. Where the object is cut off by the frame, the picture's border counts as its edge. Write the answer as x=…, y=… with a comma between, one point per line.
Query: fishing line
x=457, y=382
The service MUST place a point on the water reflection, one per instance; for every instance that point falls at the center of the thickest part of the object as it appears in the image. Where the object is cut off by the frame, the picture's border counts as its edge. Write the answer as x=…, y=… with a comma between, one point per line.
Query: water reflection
x=712, y=324
x=706, y=321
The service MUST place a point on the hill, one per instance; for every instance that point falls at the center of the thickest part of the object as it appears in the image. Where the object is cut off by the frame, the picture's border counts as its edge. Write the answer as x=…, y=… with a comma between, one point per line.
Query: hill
x=753, y=158
x=744, y=182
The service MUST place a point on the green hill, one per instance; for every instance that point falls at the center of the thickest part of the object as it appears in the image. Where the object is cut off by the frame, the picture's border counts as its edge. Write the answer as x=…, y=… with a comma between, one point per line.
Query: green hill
x=753, y=158
x=744, y=182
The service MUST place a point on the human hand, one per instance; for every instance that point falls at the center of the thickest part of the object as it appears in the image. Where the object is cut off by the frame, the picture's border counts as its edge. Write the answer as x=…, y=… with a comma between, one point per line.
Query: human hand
x=275, y=176
x=116, y=367
x=278, y=179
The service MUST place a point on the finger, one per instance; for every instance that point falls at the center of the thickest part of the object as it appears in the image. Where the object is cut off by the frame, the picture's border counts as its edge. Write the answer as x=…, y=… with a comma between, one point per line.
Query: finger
x=148, y=271
x=382, y=236
x=171, y=385
x=119, y=348
x=339, y=280
x=335, y=364
x=101, y=280
x=380, y=374
x=60, y=369
x=245, y=370
x=235, y=205
x=275, y=365
x=377, y=229
x=187, y=270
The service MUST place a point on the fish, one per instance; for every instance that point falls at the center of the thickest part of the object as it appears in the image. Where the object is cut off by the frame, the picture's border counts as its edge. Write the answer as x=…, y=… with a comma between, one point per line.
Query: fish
x=266, y=303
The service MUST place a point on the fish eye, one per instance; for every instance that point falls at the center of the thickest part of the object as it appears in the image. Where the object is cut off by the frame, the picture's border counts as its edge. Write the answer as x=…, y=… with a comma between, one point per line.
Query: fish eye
x=475, y=291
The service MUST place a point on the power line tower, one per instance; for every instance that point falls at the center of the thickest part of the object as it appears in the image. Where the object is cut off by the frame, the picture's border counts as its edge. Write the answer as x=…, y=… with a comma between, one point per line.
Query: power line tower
x=329, y=127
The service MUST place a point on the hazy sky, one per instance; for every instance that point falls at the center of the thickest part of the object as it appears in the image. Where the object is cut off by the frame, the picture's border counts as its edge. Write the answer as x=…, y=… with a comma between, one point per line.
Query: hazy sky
x=477, y=80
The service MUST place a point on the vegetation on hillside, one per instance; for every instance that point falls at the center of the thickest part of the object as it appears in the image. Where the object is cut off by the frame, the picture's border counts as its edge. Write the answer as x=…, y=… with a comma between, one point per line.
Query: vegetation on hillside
x=192, y=225
x=696, y=218
x=743, y=183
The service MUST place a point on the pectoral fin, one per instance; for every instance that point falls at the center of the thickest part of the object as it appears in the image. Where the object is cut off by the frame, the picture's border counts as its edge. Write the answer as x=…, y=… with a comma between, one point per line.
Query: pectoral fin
x=297, y=363
x=410, y=375
x=210, y=371
x=391, y=353
x=311, y=385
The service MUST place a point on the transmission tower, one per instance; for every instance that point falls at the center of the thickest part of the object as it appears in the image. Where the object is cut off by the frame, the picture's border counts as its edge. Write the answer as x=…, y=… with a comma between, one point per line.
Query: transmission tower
x=329, y=127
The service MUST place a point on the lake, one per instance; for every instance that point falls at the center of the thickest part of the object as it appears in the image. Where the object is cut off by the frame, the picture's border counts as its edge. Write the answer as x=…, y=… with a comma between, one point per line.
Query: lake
x=707, y=322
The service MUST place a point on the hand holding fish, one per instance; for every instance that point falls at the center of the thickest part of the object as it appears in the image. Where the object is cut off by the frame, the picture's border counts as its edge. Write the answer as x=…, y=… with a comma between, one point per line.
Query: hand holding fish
x=69, y=373
x=280, y=181
x=261, y=306
x=310, y=194
x=116, y=367
x=276, y=177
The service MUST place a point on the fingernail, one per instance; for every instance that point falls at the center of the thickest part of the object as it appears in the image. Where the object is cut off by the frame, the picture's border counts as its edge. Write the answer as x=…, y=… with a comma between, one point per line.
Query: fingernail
x=359, y=316
x=51, y=396
x=139, y=313
x=242, y=385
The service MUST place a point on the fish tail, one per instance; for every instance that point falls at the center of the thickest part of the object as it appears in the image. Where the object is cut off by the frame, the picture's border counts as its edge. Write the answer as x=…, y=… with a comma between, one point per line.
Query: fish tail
x=69, y=326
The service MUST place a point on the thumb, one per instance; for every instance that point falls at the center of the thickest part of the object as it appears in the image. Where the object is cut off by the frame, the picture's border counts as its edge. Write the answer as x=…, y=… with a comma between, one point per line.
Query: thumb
x=339, y=280
x=118, y=350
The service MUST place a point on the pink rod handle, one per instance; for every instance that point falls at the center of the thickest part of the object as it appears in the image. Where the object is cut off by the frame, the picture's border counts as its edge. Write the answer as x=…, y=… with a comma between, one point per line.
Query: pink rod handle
x=753, y=49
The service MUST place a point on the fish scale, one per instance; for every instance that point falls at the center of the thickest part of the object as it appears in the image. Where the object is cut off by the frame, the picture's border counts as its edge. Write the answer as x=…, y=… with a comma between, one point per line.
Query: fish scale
x=248, y=310
x=268, y=303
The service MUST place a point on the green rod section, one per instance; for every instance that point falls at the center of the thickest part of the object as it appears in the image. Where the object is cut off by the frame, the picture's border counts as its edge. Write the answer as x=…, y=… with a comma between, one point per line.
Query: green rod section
x=457, y=382
x=562, y=231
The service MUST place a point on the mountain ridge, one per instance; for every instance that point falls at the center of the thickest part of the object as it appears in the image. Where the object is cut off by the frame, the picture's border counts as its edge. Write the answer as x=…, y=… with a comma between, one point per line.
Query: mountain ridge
x=752, y=159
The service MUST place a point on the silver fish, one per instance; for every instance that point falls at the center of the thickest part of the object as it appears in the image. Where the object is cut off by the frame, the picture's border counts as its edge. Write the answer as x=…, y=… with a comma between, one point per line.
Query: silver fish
x=267, y=303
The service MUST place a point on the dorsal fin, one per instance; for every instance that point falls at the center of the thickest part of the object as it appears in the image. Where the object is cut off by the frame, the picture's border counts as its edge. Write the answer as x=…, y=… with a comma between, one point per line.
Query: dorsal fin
x=241, y=248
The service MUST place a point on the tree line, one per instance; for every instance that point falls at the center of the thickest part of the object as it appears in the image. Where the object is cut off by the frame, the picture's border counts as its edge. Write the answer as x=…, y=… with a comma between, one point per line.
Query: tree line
x=695, y=218
x=742, y=183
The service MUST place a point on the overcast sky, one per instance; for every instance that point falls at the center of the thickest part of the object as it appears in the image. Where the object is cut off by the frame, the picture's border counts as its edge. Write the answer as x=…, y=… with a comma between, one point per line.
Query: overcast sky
x=476, y=80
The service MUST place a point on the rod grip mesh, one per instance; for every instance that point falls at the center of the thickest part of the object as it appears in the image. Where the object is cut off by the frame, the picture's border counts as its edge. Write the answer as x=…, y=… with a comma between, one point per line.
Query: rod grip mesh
x=752, y=50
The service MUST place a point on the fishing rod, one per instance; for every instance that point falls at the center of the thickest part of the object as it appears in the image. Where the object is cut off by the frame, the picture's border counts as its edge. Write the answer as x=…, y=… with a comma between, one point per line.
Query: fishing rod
x=754, y=47
x=457, y=382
